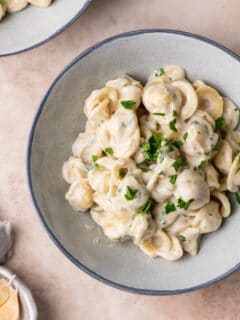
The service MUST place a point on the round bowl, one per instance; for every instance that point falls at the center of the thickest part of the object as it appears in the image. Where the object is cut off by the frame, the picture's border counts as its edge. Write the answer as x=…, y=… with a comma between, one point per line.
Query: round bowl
x=57, y=123
x=28, y=309
x=33, y=26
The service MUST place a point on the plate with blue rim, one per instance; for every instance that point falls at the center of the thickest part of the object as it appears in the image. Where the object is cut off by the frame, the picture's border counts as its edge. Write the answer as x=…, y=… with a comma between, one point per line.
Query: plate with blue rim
x=34, y=26
x=59, y=119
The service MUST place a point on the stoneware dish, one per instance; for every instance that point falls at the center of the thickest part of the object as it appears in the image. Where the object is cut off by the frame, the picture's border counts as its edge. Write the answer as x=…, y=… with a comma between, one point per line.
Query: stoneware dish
x=28, y=309
x=57, y=123
x=33, y=26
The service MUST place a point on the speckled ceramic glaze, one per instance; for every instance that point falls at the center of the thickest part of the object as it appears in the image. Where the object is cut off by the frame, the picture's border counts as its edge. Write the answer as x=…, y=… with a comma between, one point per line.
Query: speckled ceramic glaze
x=33, y=25
x=57, y=124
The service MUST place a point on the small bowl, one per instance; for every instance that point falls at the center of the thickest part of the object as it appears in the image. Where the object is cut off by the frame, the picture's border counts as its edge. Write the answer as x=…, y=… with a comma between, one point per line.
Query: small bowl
x=28, y=309
x=33, y=26
x=57, y=123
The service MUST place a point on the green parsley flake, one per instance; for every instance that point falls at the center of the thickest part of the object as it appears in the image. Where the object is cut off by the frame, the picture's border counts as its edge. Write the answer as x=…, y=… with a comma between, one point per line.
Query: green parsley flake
x=130, y=193
x=214, y=148
x=219, y=123
x=161, y=173
x=128, y=104
x=169, y=207
x=159, y=72
x=109, y=151
x=177, y=164
x=173, y=179
x=159, y=114
x=94, y=158
x=185, y=136
x=202, y=164
x=237, y=195
x=184, y=204
x=151, y=148
x=143, y=167
x=175, y=114
x=146, y=208
x=182, y=238
x=177, y=143
x=123, y=172
x=172, y=125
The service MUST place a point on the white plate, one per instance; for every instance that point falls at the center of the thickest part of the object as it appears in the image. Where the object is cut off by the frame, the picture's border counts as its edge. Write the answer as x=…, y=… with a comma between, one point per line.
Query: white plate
x=33, y=26
x=58, y=122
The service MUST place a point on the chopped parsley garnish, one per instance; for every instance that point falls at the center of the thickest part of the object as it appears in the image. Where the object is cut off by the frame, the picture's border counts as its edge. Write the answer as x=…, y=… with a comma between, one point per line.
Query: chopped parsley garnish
x=152, y=147
x=128, y=104
x=184, y=204
x=219, y=123
x=202, y=164
x=109, y=151
x=130, y=193
x=185, y=136
x=237, y=195
x=173, y=179
x=146, y=208
x=159, y=114
x=177, y=164
x=175, y=114
x=177, y=143
x=182, y=238
x=161, y=173
x=214, y=148
x=169, y=207
x=123, y=172
x=172, y=125
x=143, y=167
x=94, y=158
x=159, y=72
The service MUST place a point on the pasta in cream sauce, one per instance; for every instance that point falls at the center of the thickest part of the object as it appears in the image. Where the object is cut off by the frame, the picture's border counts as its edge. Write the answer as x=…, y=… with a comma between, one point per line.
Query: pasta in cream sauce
x=155, y=161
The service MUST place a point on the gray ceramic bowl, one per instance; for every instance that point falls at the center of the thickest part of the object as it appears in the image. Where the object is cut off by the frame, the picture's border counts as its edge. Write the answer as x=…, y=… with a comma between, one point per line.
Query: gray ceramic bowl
x=33, y=26
x=58, y=122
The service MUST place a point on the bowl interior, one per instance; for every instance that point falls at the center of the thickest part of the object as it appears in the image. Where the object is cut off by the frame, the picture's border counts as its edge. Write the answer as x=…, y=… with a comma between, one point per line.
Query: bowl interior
x=33, y=25
x=57, y=125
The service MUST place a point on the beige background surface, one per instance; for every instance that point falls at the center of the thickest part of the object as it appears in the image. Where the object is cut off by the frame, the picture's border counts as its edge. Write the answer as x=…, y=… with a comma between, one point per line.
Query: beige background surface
x=62, y=291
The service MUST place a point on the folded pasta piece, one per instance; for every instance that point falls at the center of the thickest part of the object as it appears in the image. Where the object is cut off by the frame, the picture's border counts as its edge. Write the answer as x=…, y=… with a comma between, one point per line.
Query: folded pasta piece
x=73, y=170
x=163, y=245
x=192, y=188
x=224, y=203
x=190, y=238
x=224, y=157
x=208, y=218
x=86, y=146
x=80, y=195
x=120, y=134
x=210, y=101
x=233, y=178
x=230, y=115
x=189, y=97
x=201, y=139
x=129, y=91
x=3, y=9
x=16, y=5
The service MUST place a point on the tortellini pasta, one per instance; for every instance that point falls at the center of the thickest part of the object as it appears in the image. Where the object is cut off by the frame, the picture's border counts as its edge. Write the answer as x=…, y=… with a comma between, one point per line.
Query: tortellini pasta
x=155, y=161
x=12, y=6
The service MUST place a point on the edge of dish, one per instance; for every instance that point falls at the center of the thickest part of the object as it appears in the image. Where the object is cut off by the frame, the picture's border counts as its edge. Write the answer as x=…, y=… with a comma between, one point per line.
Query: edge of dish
x=29, y=150
x=55, y=34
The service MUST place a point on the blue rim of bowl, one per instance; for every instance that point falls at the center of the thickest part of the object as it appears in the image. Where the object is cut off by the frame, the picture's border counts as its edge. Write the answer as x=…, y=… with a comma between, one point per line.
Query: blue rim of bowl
x=55, y=34
x=51, y=233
